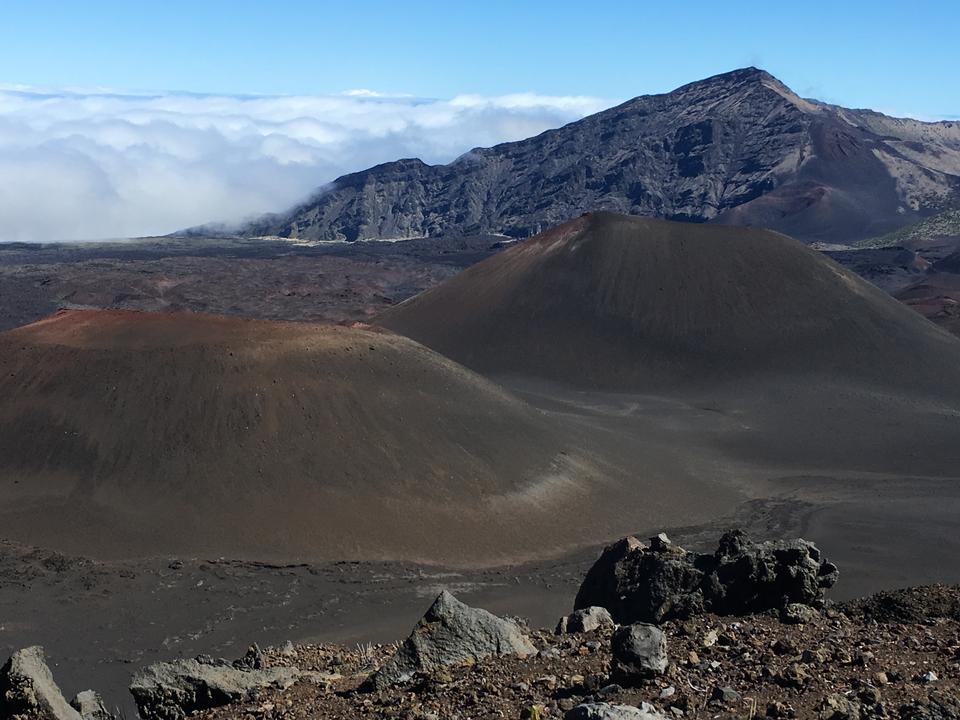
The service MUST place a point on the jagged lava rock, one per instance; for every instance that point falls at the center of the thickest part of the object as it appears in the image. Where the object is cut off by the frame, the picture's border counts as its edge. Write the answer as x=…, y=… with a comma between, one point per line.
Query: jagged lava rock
x=252, y=659
x=174, y=690
x=636, y=582
x=28, y=691
x=639, y=653
x=451, y=633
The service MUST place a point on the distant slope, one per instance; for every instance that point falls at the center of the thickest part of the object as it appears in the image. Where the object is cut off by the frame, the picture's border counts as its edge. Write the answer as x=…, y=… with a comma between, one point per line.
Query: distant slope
x=738, y=148
x=616, y=302
x=942, y=226
x=126, y=434
x=937, y=296
x=935, y=242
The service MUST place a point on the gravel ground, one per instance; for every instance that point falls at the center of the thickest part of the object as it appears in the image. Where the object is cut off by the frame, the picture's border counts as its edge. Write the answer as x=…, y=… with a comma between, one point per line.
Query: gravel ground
x=893, y=655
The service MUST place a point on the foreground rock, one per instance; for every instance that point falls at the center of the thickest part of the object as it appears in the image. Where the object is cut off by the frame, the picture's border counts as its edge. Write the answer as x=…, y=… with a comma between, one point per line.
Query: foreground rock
x=451, y=633
x=90, y=706
x=607, y=711
x=588, y=619
x=639, y=653
x=174, y=690
x=756, y=666
x=660, y=581
x=27, y=689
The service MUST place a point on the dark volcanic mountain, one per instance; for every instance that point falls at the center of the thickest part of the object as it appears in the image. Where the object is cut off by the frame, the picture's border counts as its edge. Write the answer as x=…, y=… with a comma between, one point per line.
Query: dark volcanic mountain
x=738, y=148
x=626, y=303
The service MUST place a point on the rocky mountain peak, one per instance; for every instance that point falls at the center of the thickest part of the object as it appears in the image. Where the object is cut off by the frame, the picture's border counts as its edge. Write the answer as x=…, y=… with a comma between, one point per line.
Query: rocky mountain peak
x=738, y=84
x=736, y=148
x=734, y=78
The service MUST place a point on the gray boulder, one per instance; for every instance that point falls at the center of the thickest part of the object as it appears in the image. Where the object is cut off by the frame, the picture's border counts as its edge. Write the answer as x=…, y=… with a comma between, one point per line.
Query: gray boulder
x=661, y=581
x=586, y=620
x=639, y=652
x=174, y=690
x=451, y=633
x=90, y=706
x=797, y=614
x=839, y=707
x=27, y=689
x=725, y=695
x=606, y=711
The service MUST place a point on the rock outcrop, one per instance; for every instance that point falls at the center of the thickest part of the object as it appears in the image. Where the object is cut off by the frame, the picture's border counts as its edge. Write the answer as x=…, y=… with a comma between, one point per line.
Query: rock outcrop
x=740, y=147
x=174, y=690
x=451, y=633
x=28, y=691
x=661, y=581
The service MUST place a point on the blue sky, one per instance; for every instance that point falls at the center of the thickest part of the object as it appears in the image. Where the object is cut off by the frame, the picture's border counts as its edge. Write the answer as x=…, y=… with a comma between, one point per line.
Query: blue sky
x=894, y=56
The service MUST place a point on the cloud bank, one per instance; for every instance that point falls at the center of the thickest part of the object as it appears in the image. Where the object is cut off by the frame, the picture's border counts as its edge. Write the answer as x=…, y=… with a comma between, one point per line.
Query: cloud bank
x=90, y=164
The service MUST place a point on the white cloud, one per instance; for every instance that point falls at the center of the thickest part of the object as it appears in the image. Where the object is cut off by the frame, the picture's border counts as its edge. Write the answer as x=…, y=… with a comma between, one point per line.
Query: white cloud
x=95, y=163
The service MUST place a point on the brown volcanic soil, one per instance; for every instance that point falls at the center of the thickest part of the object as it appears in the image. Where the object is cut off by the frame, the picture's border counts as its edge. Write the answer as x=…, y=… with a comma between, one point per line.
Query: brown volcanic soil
x=774, y=670
x=125, y=434
x=624, y=303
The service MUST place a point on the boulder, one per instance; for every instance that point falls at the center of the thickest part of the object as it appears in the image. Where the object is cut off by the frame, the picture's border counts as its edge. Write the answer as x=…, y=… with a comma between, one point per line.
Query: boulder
x=451, y=633
x=839, y=707
x=607, y=711
x=725, y=695
x=27, y=689
x=90, y=706
x=639, y=652
x=585, y=620
x=662, y=581
x=174, y=690
x=797, y=614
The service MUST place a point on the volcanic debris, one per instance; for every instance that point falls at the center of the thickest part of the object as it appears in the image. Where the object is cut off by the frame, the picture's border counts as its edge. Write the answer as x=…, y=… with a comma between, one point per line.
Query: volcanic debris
x=778, y=651
x=662, y=581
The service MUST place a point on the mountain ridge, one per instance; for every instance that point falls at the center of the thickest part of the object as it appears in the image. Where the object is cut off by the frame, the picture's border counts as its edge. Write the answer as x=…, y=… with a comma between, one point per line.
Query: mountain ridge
x=736, y=148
